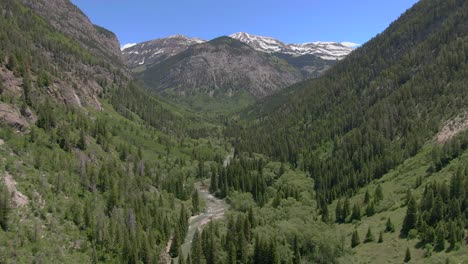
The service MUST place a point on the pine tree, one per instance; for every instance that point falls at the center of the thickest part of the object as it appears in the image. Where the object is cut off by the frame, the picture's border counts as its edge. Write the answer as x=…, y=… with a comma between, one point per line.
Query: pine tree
x=356, y=215
x=407, y=255
x=440, y=240
x=196, y=252
x=378, y=193
x=346, y=209
x=367, y=197
x=380, y=237
x=297, y=253
x=370, y=209
x=355, y=241
x=369, y=236
x=339, y=212
x=195, y=203
x=174, y=250
x=82, y=140
x=213, y=181
x=231, y=257
x=411, y=217
x=4, y=206
x=389, y=227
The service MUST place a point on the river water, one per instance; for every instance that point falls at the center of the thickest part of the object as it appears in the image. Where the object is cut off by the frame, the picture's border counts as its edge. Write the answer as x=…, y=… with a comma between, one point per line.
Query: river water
x=214, y=209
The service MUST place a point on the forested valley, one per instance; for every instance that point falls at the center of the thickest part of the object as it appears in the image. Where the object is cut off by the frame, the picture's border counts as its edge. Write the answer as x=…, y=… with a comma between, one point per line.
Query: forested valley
x=368, y=161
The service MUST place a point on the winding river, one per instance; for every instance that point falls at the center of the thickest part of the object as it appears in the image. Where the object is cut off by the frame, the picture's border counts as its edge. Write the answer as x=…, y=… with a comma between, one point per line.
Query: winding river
x=214, y=209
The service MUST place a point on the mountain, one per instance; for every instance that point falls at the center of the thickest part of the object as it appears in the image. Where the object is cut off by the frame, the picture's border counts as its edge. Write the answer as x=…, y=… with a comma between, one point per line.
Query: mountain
x=323, y=50
x=67, y=18
x=220, y=67
x=182, y=68
x=154, y=51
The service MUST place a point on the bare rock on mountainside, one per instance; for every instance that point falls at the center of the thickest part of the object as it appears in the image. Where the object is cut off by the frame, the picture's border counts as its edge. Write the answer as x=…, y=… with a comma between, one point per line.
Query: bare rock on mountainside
x=67, y=18
x=11, y=116
x=18, y=198
x=453, y=127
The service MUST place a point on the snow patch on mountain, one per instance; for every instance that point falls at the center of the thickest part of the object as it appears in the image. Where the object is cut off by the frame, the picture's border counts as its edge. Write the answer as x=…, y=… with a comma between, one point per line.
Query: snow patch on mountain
x=322, y=49
x=128, y=45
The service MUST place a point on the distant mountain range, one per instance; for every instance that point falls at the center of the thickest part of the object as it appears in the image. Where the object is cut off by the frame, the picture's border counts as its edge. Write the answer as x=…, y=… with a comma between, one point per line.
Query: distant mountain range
x=241, y=63
x=148, y=52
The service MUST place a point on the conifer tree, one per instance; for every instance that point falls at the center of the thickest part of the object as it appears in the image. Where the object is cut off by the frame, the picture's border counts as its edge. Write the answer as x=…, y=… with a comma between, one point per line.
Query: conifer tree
x=355, y=241
x=339, y=212
x=369, y=236
x=195, y=203
x=370, y=209
x=411, y=217
x=367, y=197
x=346, y=209
x=407, y=255
x=297, y=253
x=4, y=206
x=440, y=240
x=389, y=227
x=380, y=237
x=356, y=215
x=378, y=193
x=196, y=252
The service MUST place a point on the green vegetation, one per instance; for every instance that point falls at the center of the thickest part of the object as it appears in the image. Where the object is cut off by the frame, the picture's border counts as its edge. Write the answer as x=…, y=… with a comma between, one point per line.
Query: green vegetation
x=317, y=171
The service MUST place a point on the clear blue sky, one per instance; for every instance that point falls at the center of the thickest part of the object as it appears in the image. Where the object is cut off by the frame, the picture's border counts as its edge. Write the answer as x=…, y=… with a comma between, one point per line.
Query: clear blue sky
x=292, y=21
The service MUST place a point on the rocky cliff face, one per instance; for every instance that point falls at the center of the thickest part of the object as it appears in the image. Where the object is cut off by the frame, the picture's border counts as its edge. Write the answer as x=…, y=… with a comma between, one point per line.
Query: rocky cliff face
x=221, y=66
x=67, y=18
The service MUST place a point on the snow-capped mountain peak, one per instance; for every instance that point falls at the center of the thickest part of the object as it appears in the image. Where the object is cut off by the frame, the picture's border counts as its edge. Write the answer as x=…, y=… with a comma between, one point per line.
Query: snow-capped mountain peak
x=324, y=50
x=153, y=51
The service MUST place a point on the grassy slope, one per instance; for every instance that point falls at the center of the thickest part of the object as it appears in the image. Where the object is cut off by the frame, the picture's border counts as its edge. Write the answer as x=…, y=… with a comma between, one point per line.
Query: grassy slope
x=395, y=185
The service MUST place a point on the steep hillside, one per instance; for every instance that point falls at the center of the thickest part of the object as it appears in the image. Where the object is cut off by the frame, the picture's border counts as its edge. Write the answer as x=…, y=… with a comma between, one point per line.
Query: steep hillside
x=92, y=167
x=67, y=18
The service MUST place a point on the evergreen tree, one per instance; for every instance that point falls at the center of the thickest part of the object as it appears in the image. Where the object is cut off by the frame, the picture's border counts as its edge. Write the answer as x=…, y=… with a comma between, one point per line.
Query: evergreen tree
x=355, y=241
x=231, y=253
x=407, y=255
x=378, y=193
x=370, y=209
x=213, y=181
x=339, y=212
x=82, y=140
x=380, y=237
x=389, y=227
x=195, y=203
x=356, y=215
x=5, y=206
x=440, y=240
x=367, y=197
x=369, y=236
x=297, y=253
x=346, y=209
x=411, y=217
x=196, y=252
x=174, y=250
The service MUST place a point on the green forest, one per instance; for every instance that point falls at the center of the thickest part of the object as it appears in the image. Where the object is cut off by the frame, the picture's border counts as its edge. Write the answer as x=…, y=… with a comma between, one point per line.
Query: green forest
x=348, y=167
